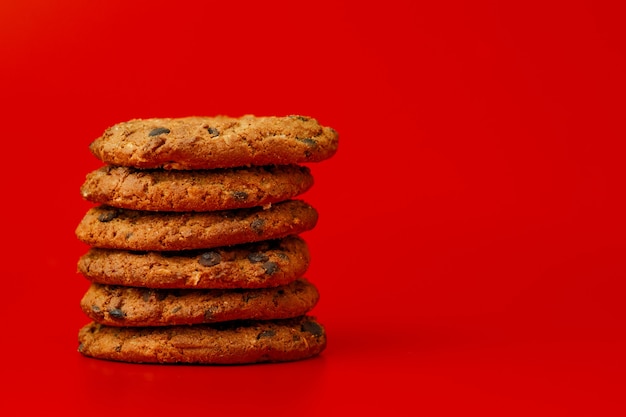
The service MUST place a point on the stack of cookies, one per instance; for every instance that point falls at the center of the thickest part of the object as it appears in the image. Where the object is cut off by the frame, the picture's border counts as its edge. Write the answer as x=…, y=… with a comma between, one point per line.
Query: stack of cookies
x=195, y=254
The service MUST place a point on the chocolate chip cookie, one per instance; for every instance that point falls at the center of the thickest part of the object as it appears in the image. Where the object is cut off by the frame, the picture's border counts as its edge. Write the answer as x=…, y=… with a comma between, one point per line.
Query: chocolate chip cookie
x=232, y=342
x=199, y=190
x=107, y=227
x=254, y=265
x=215, y=142
x=195, y=255
x=133, y=306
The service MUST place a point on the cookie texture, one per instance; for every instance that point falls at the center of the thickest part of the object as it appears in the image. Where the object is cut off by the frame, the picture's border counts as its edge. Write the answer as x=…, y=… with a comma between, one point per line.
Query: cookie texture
x=199, y=190
x=254, y=265
x=222, y=343
x=107, y=227
x=132, y=306
x=215, y=142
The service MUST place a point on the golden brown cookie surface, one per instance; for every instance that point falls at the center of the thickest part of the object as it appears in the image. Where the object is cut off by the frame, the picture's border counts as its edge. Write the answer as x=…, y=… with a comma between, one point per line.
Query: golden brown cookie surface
x=222, y=343
x=199, y=190
x=133, y=306
x=254, y=265
x=106, y=227
x=215, y=142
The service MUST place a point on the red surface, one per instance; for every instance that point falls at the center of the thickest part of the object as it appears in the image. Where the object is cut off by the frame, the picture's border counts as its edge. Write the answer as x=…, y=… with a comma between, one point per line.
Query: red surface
x=470, y=249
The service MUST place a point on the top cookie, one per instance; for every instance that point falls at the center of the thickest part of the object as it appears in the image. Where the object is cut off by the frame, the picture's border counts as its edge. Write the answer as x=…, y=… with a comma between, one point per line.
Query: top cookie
x=215, y=142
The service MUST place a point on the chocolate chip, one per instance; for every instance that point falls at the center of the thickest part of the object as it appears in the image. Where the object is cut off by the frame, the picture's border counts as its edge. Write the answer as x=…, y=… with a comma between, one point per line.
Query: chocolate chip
x=213, y=131
x=239, y=195
x=210, y=259
x=270, y=267
x=116, y=313
x=209, y=312
x=256, y=257
x=107, y=215
x=95, y=309
x=118, y=348
x=249, y=296
x=257, y=225
x=158, y=131
x=265, y=334
x=313, y=328
x=308, y=142
x=302, y=118
x=82, y=346
x=282, y=255
x=146, y=294
x=176, y=309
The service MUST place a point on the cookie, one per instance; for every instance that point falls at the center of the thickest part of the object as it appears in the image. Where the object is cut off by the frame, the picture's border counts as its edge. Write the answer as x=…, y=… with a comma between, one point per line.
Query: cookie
x=254, y=265
x=215, y=142
x=231, y=342
x=199, y=190
x=132, y=306
x=115, y=228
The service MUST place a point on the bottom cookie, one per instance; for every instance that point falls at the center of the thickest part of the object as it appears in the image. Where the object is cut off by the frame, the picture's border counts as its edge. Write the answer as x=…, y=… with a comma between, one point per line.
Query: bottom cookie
x=234, y=342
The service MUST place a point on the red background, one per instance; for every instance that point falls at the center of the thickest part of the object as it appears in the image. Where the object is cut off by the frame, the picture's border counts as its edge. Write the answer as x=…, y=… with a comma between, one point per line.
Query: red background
x=470, y=248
